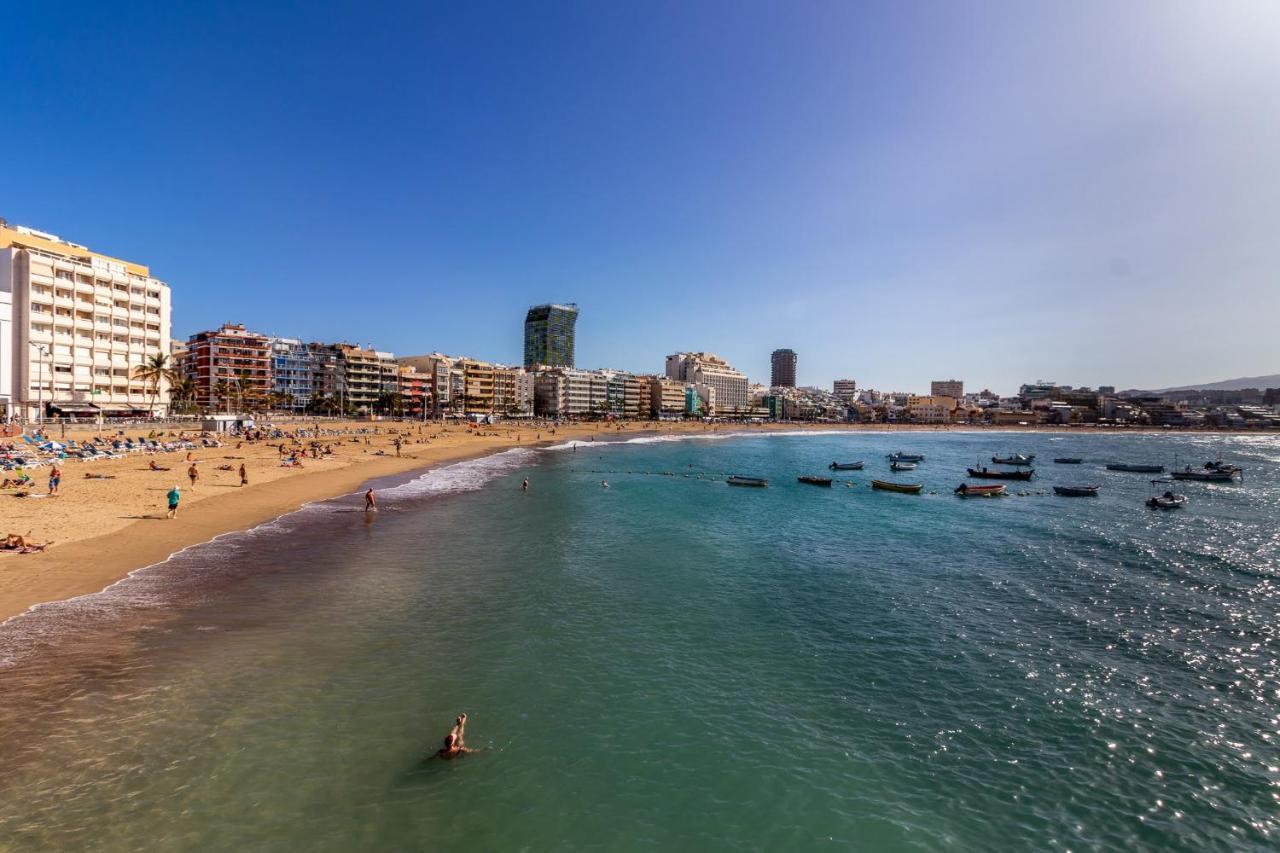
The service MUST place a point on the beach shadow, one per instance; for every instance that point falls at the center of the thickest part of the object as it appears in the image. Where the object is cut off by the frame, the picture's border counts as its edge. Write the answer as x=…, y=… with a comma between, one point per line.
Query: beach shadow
x=144, y=517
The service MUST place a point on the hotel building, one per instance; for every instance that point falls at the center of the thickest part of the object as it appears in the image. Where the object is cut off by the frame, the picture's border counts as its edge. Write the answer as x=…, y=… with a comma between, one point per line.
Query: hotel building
x=782, y=372
x=729, y=386
x=73, y=326
x=549, y=332
x=229, y=366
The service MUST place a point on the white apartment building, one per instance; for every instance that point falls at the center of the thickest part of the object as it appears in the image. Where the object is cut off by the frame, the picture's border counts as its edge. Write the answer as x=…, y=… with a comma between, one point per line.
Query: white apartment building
x=564, y=392
x=845, y=389
x=703, y=368
x=6, y=342
x=73, y=326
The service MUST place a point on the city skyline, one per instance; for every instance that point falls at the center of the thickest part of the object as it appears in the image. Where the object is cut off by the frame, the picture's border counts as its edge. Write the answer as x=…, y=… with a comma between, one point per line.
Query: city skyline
x=1082, y=221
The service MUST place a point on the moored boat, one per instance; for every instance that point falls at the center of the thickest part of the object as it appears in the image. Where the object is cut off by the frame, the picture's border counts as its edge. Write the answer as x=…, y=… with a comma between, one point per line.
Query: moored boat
x=846, y=466
x=758, y=482
x=1014, y=459
x=905, y=457
x=1068, y=460
x=908, y=488
x=965, y=490
x=1209, y=475
x=1167, y=501
x=815, y=481
x=1136, y=469
x=988, y=474
x=1076, y=491
x=902, y=466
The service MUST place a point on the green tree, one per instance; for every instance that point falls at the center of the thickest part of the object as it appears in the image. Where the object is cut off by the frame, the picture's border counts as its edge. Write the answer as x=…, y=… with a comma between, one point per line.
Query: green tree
x=156, y=369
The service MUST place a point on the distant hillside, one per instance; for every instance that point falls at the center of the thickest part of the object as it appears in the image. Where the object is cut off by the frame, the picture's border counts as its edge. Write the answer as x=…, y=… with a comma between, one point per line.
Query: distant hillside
x=1259, y=382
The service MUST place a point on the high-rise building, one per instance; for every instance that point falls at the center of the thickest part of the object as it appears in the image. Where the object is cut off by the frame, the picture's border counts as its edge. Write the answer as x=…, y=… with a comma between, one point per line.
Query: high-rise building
x=230, y=366
x=946, y=388
x=783, y=369
x=729, y=386
x=549, y=335
x=74, y=325
x=845, y=389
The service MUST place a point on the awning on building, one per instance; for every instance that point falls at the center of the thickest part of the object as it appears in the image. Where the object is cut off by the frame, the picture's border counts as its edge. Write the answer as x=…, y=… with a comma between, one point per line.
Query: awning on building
x=74, y=408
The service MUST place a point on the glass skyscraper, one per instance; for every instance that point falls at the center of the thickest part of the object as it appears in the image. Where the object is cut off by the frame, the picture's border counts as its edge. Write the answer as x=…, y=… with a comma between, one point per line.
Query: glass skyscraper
x=548, y=335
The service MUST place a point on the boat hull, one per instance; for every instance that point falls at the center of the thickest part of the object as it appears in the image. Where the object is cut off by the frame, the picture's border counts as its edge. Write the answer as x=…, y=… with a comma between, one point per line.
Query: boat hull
x=1137, y=469
x=1076, y=491
x=905, y=457
x=905, y=488
x=815, y=481
x=845, y=466
x=749, y=482
x=964, y=490
x=1013, y=460
x=1204, y=476
x=1067, y=460
x=987, y=474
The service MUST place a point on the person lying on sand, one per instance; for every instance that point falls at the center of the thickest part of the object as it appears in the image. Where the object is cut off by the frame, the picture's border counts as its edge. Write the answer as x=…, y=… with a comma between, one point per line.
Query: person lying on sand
x=22, y=545
x=17, y=482
x=99, y=476
x=453, y=745
x=154, y=467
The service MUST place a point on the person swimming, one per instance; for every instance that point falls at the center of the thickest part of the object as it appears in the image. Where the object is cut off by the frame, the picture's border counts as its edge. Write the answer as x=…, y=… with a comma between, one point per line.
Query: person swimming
x=453, y=745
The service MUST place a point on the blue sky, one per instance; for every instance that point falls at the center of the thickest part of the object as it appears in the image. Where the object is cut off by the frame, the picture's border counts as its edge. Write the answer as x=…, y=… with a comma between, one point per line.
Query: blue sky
x=999, y=192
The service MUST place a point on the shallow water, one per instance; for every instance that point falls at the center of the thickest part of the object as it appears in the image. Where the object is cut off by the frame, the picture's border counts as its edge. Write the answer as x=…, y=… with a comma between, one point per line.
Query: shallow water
x=675, y=663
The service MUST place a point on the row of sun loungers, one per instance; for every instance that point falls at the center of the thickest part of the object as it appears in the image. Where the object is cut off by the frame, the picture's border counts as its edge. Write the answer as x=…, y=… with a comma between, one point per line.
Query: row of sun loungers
x=27, y=452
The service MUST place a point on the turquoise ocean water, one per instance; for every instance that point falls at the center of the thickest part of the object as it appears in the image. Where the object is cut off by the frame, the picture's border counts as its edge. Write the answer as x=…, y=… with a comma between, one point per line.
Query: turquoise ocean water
x=672, y=663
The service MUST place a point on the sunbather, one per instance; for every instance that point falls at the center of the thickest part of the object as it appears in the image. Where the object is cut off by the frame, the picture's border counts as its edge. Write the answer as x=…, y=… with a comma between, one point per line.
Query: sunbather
x=154, y=467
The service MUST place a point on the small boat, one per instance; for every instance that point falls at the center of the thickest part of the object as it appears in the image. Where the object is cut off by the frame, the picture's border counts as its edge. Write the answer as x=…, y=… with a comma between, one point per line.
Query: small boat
x=1077, y=491
x=908, y=488
x=815, y=481
x=902, y=466
x=1211, y=475
x=964, y=490
x=1223, y=466
x=1013, y=459
x=1136, y=469
x=1167, y=501
x=905, y=457
x=1068, y=460
x=846, y=466
x=988, y=474
x=758, y=482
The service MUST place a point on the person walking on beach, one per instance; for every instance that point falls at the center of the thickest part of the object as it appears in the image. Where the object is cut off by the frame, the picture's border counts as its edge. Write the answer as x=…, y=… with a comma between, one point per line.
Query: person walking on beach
x=194, y=474
x=55, y=477
x=370, y=502
x=174, y=497
x=244, y=475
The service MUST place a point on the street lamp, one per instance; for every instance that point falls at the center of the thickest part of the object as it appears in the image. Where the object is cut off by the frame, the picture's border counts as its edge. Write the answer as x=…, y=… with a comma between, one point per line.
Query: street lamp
x=44, y=351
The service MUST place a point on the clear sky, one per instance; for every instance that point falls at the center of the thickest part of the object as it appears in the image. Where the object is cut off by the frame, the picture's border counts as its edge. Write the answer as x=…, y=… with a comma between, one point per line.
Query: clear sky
x=1086, y=192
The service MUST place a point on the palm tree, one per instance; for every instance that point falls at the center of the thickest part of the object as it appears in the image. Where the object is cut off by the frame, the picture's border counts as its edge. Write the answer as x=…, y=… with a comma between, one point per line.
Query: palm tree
x=181, y=392
x=153, y=371
x=222, y=390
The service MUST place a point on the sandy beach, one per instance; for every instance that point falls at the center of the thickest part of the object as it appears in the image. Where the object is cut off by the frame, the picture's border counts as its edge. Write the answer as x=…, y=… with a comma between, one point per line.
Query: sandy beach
x=101, y=529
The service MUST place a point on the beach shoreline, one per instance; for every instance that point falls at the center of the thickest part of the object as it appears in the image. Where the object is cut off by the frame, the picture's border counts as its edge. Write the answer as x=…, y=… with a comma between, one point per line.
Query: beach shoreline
x=93, y=549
